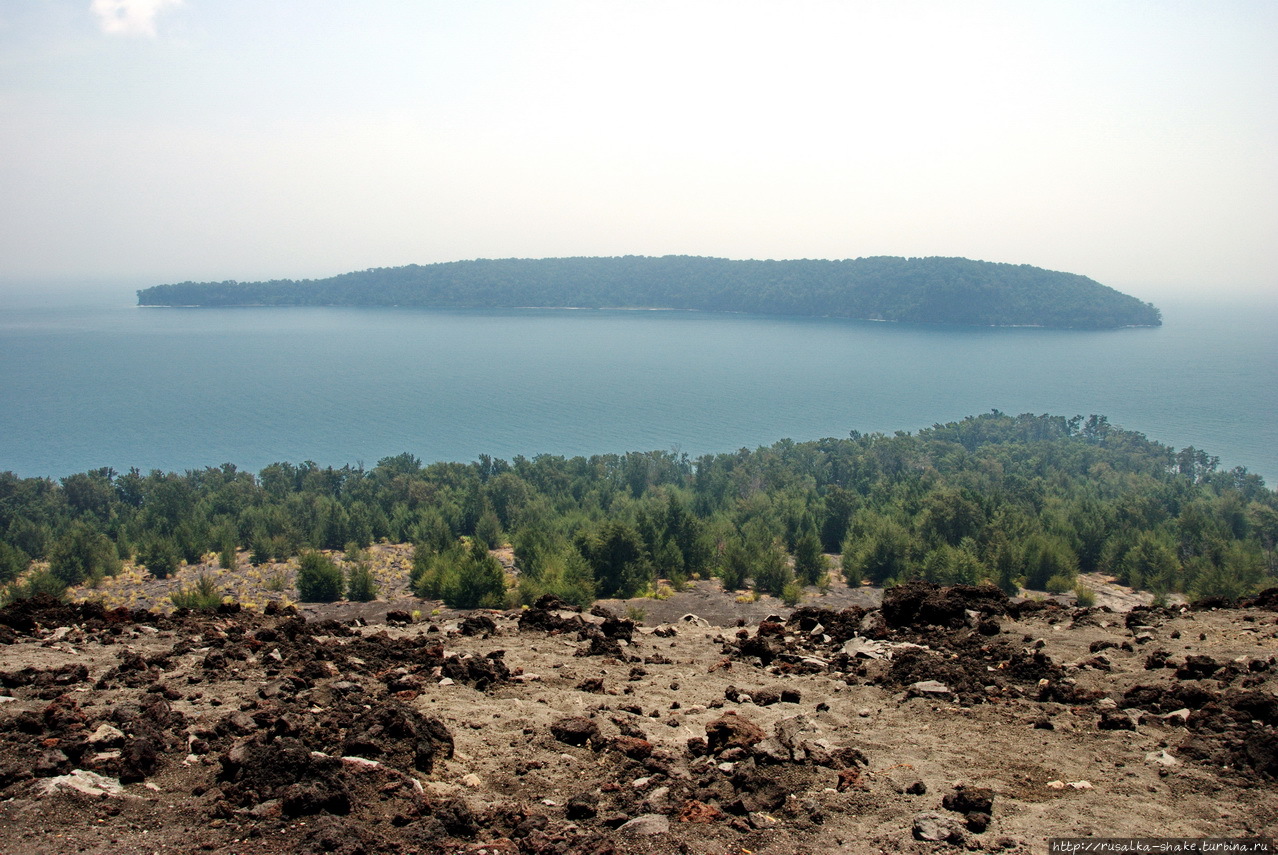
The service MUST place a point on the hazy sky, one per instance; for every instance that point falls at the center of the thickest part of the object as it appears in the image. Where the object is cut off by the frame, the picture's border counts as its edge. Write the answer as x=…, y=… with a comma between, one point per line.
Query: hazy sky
x=153, y=141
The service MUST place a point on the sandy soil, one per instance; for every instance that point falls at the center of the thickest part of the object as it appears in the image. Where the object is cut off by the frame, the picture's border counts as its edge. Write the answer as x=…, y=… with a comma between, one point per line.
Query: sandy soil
x=550, y=731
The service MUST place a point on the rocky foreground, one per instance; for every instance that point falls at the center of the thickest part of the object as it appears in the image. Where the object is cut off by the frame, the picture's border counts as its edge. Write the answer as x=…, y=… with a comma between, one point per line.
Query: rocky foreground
x=947, y=719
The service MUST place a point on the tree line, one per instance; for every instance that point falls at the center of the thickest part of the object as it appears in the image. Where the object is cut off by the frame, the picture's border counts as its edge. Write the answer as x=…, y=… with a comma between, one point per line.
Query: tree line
x=1028, y=500
x=918, y=290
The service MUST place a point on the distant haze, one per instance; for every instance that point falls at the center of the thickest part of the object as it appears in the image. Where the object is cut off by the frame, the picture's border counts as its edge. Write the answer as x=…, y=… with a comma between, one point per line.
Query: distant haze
x=151, y=141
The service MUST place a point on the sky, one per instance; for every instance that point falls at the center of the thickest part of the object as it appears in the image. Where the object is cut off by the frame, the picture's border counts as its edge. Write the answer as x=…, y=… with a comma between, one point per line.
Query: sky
x=151, y=141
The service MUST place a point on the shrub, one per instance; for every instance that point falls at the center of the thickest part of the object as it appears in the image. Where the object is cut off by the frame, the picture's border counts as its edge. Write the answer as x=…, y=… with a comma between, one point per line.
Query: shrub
x=1059, y=584
x=1085, y=596
x=734, y=567
x=432, y=571
x=464, y=577
x=40, y=582
x=488, y=529
x=159, y=556
x=319, y=579
x=792, y=593
x=81, y=554
x=809, y=562
x=1046, y=557
x=13, y=562
x=850, y=564
x=360, y=587
x=562, y=573
x=203, y=595
x=480, y=580
x=771, y=572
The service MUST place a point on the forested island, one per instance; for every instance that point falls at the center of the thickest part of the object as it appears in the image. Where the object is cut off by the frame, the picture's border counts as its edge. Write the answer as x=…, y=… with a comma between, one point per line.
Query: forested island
x=1018, y=501
x=916, y=290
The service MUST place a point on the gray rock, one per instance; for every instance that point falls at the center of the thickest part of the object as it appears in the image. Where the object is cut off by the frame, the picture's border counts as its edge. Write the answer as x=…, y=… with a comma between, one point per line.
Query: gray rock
x=658, y=800
x=772, y=750
x=865, y=648
x=106, y=736
x=930, y=687
x=89, y=783
x=935, y=827
x=646, y=825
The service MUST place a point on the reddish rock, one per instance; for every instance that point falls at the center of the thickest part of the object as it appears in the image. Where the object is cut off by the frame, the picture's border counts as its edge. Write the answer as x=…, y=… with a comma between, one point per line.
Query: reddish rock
x=632, y=747
x=695, y=811
x=732, y=731
x=849, y=779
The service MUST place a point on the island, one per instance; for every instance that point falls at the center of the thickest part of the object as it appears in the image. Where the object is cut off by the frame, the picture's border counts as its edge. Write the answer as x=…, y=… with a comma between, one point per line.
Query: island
x=912, y=290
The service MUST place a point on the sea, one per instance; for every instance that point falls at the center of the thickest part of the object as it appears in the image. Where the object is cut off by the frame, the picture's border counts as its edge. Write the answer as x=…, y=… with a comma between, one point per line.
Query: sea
x=88, y=380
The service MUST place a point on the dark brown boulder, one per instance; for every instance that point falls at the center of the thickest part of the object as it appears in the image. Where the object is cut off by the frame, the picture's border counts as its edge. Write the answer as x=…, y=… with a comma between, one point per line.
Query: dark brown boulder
x=575, y=730
x=967, y=800
x=477, y=624
x=925, y=604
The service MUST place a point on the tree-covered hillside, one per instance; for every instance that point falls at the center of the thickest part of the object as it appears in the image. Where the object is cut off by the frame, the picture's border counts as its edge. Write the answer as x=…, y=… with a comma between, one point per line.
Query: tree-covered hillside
x=1028, y=500
x=919, y=290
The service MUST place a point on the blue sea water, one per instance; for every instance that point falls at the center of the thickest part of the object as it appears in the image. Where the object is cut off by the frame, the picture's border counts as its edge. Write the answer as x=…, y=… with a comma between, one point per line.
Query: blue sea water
x=98, y=382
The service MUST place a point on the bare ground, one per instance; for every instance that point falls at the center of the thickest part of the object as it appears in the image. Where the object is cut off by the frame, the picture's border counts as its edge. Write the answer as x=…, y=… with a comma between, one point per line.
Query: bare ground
x=549, y=731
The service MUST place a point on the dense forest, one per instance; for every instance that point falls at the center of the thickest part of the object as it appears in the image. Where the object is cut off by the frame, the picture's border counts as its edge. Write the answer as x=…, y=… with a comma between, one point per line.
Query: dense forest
x=918, y=290
x=1015, y=500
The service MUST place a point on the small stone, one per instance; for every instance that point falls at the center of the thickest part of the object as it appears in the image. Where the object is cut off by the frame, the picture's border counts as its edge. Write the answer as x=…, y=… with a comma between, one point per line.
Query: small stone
x=105, y=736
x=1162, y=758
x=1115, y=720
x=930, y=687
x=582, y=806
x=849, y=779
x=700, y=812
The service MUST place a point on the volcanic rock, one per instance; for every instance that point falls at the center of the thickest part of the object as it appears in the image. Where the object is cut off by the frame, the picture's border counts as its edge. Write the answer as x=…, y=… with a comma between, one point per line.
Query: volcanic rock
x=575, y=730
